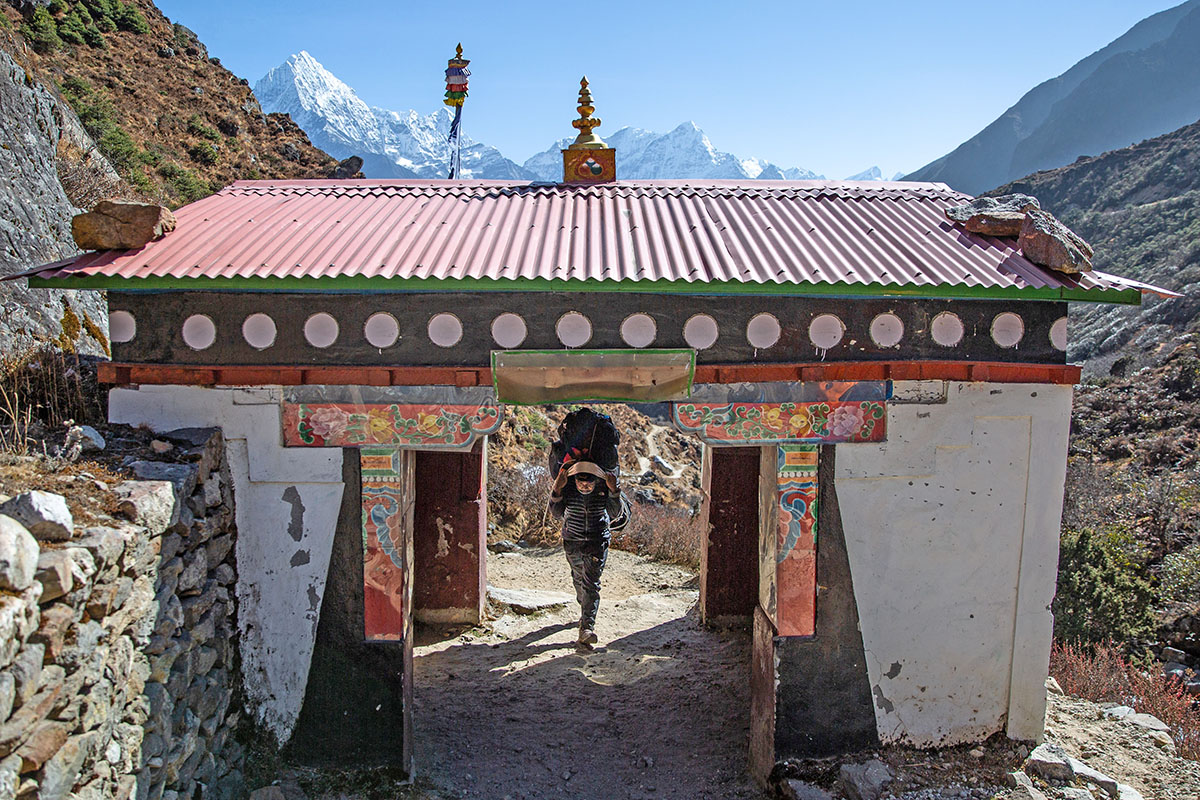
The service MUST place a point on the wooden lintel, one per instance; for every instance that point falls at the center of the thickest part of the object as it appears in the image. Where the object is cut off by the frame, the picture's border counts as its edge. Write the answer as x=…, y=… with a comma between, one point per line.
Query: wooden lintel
x=992, y=372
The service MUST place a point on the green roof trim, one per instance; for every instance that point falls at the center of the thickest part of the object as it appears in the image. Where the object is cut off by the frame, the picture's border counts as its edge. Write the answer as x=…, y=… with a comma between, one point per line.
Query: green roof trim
x=363, y=283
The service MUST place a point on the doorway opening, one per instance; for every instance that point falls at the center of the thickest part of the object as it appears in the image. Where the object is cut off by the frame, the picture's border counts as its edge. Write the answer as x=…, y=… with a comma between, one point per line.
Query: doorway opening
x=509, y=706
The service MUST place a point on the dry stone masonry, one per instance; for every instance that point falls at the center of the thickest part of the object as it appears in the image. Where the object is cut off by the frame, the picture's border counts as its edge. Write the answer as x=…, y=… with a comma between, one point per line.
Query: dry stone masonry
x=117, y=650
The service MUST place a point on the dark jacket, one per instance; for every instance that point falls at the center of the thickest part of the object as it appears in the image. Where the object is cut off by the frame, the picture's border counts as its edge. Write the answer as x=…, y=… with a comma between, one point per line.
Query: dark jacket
x=585, y=516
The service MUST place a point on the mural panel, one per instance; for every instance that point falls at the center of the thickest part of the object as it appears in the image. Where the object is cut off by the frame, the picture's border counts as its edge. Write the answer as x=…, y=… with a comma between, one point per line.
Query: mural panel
x=386, y=502
x=796, y=540
x=828, y=416
x=427, y=427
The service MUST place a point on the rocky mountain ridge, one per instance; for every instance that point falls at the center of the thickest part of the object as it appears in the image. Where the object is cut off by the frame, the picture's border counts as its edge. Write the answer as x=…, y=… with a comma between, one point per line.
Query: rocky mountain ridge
x=1142, y=84
x=1139, y=208
x=175, y=124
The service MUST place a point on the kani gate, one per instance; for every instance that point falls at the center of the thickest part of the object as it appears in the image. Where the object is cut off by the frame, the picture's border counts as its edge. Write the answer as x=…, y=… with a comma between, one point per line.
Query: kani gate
x=423, y=496
x=357, y=342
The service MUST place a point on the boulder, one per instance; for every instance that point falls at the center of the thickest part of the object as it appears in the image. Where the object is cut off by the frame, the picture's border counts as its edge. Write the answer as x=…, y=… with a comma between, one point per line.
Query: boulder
x=148, y=503
x=865, y=781
x=1046, y=241
x=528, y=601
x=994, y=216
x=792, y=789
x=18, y=555
x=1050, y=763
x=54, y=571
x=43, y=514
x=8, y=695
x=1088, y=775
x=349, y=168
x=121, y=225
x=46, y=740
x=82, y=439
x=1173, y=654
x=1147, y=721
x=62, y=770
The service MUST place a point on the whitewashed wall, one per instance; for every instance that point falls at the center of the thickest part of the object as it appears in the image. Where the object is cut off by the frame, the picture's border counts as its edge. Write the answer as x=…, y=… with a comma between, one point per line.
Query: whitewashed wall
x=287, y=503
x=952, y=531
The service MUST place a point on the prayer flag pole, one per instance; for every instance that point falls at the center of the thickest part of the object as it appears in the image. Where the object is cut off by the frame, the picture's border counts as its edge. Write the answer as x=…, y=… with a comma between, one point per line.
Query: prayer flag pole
x=456, y=92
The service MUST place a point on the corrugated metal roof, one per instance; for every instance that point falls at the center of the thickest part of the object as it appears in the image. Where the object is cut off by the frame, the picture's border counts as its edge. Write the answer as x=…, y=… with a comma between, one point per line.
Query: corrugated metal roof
x=686, y=233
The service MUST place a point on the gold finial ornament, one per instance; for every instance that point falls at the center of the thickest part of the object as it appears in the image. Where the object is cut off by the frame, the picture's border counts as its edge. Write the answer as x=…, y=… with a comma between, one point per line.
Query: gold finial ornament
x=587, y=139
x=458, y=51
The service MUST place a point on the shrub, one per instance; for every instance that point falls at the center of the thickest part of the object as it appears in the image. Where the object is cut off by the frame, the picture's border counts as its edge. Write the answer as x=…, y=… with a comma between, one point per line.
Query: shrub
x=664, y=534
x=1098, y=599
x=119, y=148
x=184, y=183
x=129, y=18
x=1179, y=575
x=57, y=7
x=94, y=38
x=71, y=29
x=41, y=31
x=1102, y=674
x=203, y=153
x=197, y=127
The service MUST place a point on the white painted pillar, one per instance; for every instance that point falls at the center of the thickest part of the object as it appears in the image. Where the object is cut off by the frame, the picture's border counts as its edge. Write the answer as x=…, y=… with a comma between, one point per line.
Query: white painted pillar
x=287, y=502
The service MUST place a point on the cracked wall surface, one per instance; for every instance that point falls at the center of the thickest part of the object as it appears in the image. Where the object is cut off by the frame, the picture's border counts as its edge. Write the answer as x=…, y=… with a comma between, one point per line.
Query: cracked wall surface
x=952, y=532
x=287, y=512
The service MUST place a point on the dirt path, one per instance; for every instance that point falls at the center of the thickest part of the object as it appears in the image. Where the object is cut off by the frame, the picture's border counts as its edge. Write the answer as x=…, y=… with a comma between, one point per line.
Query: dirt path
x=660, y=709
x=647, y=462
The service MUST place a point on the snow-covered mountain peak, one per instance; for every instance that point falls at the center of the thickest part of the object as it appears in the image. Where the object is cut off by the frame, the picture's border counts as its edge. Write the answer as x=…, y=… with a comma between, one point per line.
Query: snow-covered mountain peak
x=410, y=144
x=392, y=144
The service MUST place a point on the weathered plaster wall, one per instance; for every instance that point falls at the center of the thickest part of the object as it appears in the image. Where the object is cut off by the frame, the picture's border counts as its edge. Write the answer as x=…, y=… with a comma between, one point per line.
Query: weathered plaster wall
x=287, y=511
x=952, y=532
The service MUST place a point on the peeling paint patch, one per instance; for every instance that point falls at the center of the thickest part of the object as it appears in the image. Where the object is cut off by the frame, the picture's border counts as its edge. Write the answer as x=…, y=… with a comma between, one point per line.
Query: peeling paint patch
x=884, y=704
x=443, y=547
x=295, y=527
x=894, y=670
x=301, y=557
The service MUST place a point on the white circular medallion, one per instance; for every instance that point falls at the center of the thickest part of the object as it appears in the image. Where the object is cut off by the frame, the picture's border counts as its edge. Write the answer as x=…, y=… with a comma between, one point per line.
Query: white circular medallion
x=321, y=330
x=381, y=330
x=700, y=332
x=573, y=329
x=826, y=330
x=763, y=331
x=887, y=329
x=638, y=330
x=946, y=329
x=199, y=332
x=1058, y=334
x=445, y=330
x=1007, y=329
x=509, y=330
x=259, y=331
x=122, y=327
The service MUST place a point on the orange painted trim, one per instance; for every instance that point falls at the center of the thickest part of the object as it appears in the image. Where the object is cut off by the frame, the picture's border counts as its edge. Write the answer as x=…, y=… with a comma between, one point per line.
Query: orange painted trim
x=988, y=371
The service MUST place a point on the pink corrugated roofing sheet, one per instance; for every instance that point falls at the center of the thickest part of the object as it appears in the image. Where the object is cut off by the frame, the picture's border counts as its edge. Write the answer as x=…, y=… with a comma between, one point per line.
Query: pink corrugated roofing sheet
x=687, y=233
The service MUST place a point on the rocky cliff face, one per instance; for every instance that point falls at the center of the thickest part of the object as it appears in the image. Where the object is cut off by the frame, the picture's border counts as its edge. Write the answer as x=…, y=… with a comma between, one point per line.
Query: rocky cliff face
x=35, y=216
x=1139, y=208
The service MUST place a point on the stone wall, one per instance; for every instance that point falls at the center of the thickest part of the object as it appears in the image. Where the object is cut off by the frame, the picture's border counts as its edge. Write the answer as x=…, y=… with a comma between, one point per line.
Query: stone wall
x=118, y=654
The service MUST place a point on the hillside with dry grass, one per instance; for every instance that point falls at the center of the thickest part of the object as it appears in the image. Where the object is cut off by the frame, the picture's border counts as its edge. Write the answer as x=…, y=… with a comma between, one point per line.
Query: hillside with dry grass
x=660, y=473
x=175, y=124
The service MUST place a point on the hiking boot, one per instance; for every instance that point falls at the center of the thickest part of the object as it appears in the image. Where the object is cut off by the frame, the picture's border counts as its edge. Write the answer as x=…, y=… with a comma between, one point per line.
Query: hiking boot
x=587, y=636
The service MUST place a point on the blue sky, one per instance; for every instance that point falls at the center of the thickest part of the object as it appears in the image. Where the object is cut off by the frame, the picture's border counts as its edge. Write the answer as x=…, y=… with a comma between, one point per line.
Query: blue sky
x=833, y=87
